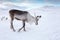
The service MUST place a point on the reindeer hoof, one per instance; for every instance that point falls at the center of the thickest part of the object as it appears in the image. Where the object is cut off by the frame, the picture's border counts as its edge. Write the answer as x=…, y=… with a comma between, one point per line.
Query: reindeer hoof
x=18, y=30
x=24, y=30
x=14, y=30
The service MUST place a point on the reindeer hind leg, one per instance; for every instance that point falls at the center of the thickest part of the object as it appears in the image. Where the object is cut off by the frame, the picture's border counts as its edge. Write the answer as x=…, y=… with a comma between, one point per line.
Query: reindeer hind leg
x=12, y=18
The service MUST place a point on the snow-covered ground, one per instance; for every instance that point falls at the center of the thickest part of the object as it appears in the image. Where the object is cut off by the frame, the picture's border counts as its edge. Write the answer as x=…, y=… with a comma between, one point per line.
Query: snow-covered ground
x=48, y=28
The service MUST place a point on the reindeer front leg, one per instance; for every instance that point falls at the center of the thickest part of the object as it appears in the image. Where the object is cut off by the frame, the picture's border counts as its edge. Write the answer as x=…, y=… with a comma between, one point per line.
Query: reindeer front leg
x=22, y=27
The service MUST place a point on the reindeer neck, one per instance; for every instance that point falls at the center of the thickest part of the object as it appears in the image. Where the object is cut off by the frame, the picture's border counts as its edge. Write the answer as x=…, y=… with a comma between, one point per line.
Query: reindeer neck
x=30, y=18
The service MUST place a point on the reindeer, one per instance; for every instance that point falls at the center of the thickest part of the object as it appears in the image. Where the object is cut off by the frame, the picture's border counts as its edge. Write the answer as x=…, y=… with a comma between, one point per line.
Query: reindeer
x=23, y=16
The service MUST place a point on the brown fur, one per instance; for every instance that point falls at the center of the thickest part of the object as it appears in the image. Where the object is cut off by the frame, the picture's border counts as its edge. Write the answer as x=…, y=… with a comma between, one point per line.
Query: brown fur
x=18, y=12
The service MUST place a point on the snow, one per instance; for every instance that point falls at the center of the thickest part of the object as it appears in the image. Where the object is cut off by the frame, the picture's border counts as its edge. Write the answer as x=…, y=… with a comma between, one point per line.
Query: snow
x=48, y=28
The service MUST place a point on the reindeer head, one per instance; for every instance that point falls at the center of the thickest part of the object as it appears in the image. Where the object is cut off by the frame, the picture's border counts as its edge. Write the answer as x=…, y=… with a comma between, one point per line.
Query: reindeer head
x=37, y=19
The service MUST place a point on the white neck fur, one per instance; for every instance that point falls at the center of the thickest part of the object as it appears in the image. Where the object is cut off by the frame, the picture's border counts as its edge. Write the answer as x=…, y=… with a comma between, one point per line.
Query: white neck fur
x=30, y=19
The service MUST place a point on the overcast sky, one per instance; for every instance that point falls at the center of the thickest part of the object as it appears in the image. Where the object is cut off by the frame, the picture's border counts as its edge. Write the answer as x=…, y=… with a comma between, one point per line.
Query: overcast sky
x=33, y=1
x=28, y=4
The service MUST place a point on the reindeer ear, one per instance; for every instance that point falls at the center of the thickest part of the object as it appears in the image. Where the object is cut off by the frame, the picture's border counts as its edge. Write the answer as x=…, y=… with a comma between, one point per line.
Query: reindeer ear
x=39, y=16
